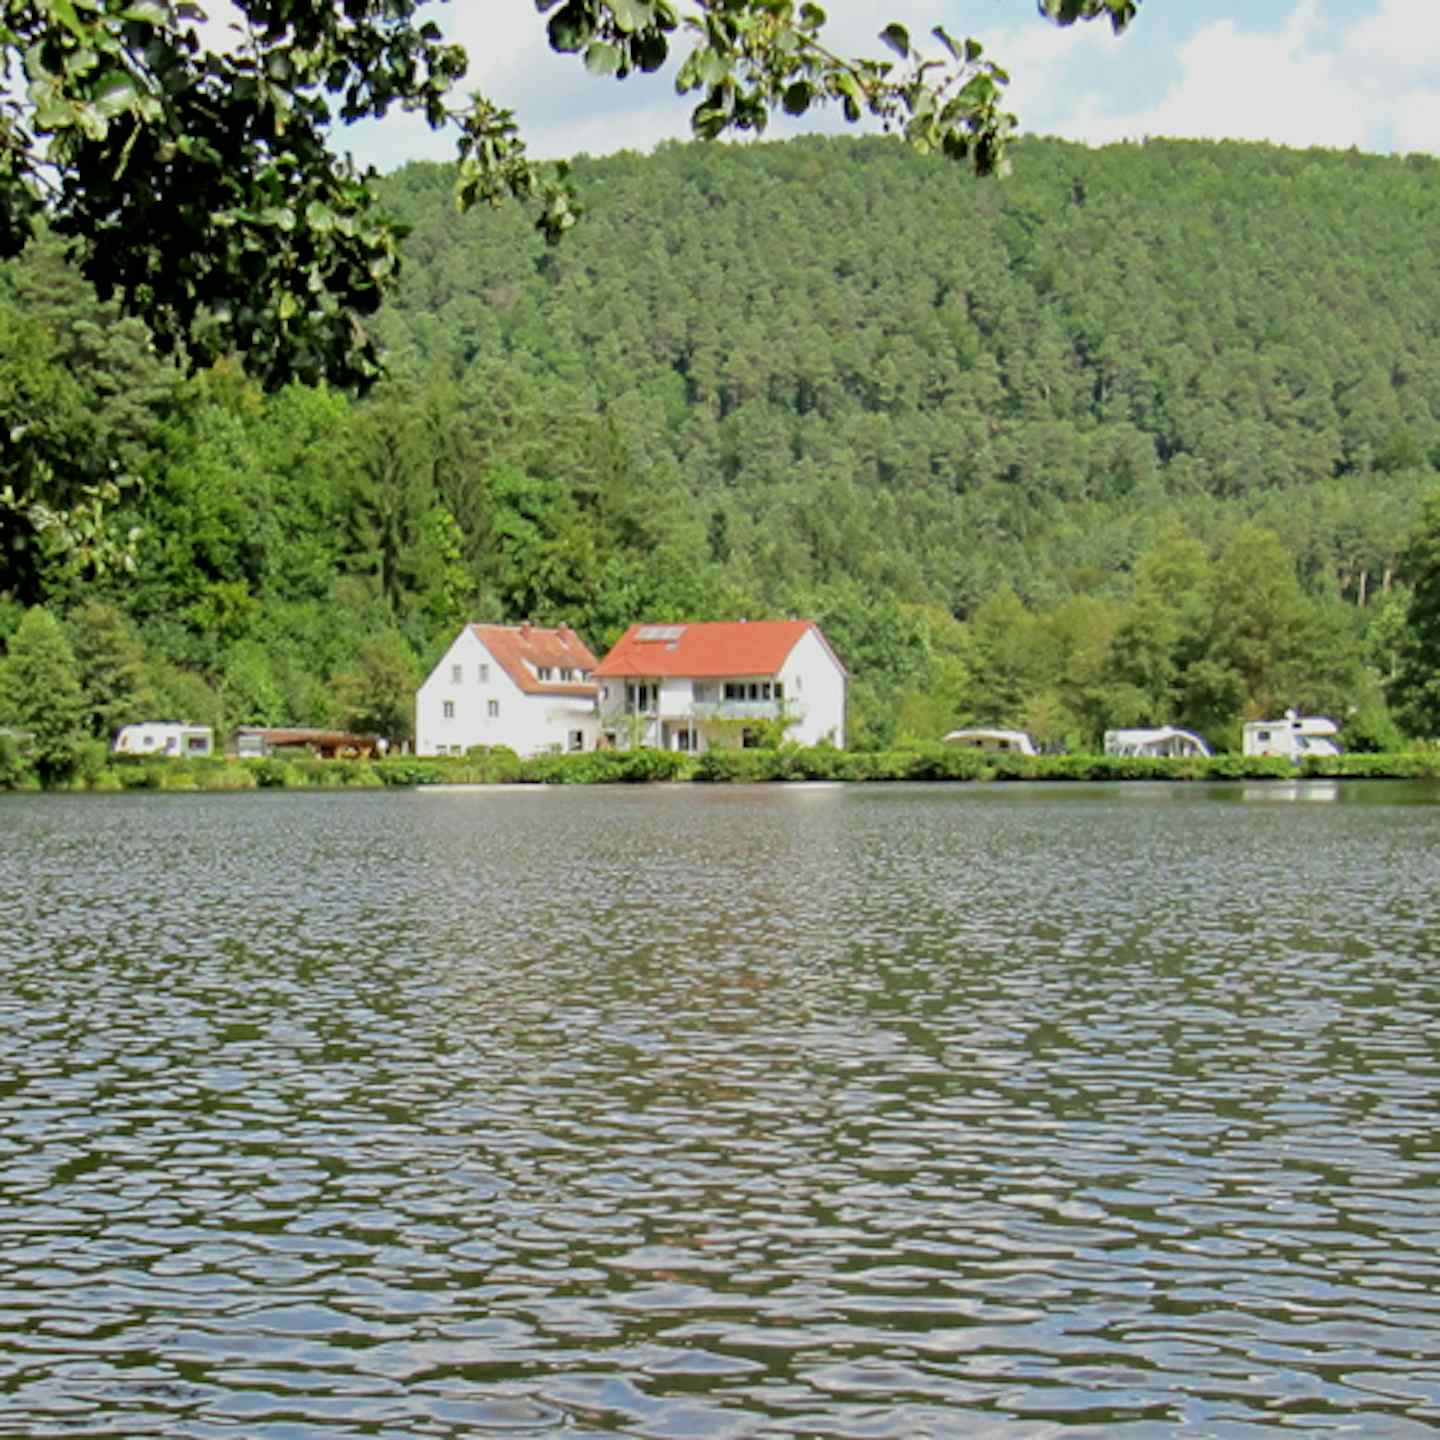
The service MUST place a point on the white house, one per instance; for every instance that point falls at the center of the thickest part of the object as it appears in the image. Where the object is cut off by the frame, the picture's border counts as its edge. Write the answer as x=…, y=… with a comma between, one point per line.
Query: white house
x=691, y=686
x=164, y=737
x=523, y=686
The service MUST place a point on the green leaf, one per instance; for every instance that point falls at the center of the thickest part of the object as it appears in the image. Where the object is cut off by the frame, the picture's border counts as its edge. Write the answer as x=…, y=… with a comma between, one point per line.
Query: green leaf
x=798, y=97
x=650, y=51
x=897, y=37
x=630, y=15
x=115, y=94
x=64, y=12
x=570, y=29
x=146, y=12
x=708, y=121
x=602, y=58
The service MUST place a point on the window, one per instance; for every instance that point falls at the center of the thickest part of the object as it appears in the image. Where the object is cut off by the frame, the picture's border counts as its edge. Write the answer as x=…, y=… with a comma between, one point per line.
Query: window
x=544, y=672
x=448, y=710
x=779, y=691
x=577, y=739
x=734, y=691
x=484, y=675
x=567, y=672
x=492, y=709
x=457, y=673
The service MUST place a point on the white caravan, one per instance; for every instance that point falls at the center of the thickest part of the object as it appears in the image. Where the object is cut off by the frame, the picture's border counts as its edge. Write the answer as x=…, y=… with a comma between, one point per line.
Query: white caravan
x=1162, y=742
x=1292, y=738
x=164, y=737
x=1013, y=742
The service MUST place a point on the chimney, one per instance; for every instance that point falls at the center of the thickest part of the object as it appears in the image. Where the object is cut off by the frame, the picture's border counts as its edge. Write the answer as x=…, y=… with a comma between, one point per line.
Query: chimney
x=525, y=630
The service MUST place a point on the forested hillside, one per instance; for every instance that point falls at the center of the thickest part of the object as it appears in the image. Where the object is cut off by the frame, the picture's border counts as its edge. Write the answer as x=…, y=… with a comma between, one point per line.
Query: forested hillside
x=1140, y=434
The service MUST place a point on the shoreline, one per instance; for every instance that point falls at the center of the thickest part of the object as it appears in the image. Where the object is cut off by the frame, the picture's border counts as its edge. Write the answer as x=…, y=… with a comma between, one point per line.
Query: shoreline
x=504, y=770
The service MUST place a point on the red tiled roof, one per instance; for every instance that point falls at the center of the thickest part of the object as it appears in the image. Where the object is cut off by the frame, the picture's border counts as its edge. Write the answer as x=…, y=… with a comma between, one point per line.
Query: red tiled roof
x=708, y=648
x=513, y=645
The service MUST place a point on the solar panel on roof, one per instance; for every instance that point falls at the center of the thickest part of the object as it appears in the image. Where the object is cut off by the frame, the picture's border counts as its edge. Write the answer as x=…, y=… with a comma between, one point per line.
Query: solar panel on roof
x=659, y=632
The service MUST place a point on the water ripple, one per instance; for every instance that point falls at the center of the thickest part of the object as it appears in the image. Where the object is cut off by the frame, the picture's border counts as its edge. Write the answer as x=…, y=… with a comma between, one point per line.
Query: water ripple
x=841, y=1112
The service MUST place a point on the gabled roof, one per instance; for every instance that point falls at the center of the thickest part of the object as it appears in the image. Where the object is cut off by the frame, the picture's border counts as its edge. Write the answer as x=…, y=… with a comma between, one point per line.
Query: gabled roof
x=513, y=645
x=708, y=649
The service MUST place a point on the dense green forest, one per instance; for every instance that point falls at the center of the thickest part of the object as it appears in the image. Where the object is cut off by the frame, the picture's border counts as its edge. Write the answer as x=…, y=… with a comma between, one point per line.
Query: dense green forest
x=1143, y=434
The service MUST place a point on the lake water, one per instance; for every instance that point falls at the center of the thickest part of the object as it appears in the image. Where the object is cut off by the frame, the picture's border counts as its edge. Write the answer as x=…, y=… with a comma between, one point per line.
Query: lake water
x=703, y=1113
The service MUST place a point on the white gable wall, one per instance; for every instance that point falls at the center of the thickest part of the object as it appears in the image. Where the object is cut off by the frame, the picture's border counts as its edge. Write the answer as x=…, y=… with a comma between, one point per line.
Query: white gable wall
x=814, y=693
x=528, y=724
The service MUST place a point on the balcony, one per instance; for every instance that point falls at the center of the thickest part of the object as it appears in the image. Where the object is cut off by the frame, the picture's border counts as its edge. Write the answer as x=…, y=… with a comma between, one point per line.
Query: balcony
x=737, y=709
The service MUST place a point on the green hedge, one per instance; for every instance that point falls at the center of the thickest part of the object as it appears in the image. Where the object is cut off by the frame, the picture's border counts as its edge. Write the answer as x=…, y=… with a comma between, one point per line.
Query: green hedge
x=498, y=765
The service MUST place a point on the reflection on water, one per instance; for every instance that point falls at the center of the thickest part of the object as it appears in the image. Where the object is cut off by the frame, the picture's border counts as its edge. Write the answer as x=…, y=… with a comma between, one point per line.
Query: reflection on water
x=841, y=1111
x=1290, y=790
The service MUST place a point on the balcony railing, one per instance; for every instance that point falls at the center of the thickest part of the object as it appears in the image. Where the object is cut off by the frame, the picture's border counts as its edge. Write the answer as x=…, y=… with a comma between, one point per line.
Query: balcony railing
x=736, y=709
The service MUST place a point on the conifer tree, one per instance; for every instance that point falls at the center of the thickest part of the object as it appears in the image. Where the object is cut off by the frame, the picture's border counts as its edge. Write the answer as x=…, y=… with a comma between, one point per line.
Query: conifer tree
x=40, y=692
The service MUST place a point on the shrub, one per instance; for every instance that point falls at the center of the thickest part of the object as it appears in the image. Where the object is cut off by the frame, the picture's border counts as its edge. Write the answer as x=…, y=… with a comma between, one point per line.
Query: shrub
x=405, y=771
x=273, y=773
x=724, y=766
x=16, y=772
x=491, y=765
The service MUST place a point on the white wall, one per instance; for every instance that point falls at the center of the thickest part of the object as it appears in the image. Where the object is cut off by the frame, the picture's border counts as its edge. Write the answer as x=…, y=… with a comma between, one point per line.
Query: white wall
x=814, y=693
x=528, y=724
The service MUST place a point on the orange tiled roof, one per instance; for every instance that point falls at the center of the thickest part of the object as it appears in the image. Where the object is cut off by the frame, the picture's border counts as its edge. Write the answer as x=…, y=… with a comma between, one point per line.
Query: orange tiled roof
x=709, y=648
x=513, y=645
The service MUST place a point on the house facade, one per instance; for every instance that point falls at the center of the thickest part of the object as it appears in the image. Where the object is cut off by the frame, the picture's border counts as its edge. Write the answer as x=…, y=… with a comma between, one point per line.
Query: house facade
x=523, y=686
x=693, y=686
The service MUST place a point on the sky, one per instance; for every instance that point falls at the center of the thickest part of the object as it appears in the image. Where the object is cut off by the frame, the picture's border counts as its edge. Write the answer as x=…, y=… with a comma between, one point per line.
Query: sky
x=1330, y=73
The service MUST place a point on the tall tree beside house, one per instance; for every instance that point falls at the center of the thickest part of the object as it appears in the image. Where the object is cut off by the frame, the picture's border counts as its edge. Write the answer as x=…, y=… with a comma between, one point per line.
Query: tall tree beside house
x=377, y=695
x=40, y=692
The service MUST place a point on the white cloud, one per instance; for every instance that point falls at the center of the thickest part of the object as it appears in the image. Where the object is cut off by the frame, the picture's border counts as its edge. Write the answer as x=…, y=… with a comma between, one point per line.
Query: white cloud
x=1369, y=78
x=1372, y=83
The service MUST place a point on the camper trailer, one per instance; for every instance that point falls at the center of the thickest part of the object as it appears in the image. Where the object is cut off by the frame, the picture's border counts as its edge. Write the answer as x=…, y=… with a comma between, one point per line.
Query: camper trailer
x=1161, y=742
x=1013, y=742
x=164, y=737
x=1292, y=738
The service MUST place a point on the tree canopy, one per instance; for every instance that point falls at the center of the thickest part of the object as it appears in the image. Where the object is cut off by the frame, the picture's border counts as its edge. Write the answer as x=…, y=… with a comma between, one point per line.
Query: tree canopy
x=199, y=184
x=1147, y=447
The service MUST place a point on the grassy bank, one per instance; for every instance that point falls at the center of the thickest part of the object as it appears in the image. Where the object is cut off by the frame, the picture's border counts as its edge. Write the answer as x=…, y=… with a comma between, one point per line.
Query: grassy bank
x=929, y=763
